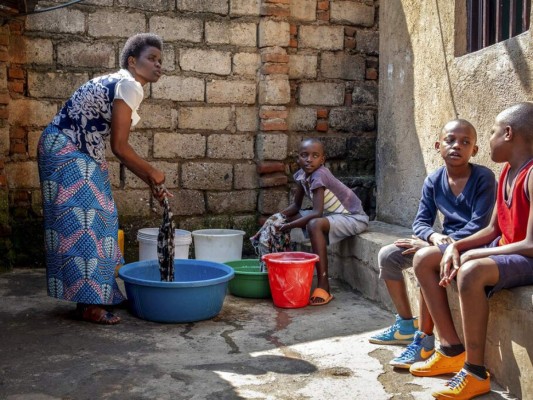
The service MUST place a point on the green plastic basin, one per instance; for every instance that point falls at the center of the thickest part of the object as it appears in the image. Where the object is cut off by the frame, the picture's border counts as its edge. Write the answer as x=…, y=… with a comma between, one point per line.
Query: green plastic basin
x=249, y=281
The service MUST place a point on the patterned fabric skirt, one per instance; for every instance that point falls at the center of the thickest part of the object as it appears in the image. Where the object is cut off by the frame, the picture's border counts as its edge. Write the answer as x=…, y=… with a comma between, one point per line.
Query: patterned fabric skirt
x=80, y=223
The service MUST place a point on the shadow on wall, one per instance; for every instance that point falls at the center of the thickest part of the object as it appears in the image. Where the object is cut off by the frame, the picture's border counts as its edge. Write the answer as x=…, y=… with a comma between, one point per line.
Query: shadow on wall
x=514, y=348
x=519, y=60
x=400, y=169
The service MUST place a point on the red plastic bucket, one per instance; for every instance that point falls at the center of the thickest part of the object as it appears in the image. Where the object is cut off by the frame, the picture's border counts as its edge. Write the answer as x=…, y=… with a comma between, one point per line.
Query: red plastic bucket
x=290, y=276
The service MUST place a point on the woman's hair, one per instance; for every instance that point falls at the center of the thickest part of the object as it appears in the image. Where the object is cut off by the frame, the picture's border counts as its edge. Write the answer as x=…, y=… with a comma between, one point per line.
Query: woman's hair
x=136, y=44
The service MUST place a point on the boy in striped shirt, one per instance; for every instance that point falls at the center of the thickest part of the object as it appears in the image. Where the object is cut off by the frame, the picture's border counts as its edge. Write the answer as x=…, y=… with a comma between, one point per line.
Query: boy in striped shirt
x=337, y=211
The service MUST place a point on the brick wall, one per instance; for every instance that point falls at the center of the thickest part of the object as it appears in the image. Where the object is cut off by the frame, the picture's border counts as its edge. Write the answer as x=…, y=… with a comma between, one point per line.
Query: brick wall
x=244, y=81
x=5, y=228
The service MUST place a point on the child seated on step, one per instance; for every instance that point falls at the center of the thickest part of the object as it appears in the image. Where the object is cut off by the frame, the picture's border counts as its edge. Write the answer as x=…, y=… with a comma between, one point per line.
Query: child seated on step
x=464, y=193
x=337, y=212
x=497, y=257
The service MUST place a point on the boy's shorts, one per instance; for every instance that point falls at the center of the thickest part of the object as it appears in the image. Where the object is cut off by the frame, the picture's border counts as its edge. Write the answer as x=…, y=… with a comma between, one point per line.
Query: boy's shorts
x=342, y=226
x=514, y=269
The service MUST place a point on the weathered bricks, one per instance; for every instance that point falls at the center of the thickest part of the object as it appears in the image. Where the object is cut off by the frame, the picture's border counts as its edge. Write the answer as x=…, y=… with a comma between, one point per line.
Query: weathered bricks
x=274, y=33
x=206, y=61
x=26, y=112
x=103, y=23
x=245, y=7
x=239, y=147
x=173, y=144
x=322, y=93
x=274, y=90
x=234, y=33
x=177, y=29
x=232, y=202
x=236, y=92
x=210, y=118
x=64, y=20
x=302, y=66
x=321, y=37
x=207, y=6
x=246, y=119
x=351, y=12
x=179, y=88
x=303, y=10
x=55, y=85
x=207, y=176
x=302, y=119
x=246, y=64
x=245, y=176
x=82, y=54
x=343, y=66
x=270, y=146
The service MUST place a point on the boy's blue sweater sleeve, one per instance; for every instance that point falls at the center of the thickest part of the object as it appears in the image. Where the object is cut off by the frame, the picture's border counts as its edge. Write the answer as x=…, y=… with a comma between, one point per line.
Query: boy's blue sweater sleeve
x=427, y=212
x=482, y=207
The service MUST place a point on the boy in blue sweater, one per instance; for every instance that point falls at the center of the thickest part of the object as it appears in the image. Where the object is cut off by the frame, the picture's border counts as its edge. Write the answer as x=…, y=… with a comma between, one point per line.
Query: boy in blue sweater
x=464, y=194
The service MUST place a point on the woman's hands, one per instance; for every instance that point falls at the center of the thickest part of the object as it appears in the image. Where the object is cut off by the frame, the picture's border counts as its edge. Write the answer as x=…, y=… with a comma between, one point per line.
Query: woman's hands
x=159, y=190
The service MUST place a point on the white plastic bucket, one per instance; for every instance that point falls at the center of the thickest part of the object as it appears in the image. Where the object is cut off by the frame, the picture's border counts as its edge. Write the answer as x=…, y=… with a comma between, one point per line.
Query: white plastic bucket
x=147, y=238
x=219, y=245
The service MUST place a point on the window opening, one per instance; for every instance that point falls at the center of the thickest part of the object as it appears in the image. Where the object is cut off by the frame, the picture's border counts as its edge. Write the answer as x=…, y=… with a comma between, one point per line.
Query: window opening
x=492, y=21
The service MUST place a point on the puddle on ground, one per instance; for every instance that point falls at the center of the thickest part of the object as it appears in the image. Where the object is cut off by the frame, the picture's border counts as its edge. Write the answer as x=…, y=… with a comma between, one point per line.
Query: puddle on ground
x=396, y=382
x=226, y=334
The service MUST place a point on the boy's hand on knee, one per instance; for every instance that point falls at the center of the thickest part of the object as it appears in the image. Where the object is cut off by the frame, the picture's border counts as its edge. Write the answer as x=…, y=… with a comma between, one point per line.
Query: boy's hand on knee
x=474, y=254
x=412, y=245
x=449, y=265
x=438, y=238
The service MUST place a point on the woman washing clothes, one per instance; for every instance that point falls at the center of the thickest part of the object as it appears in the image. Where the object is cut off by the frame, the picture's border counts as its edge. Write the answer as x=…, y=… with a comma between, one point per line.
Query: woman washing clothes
x=80, y=216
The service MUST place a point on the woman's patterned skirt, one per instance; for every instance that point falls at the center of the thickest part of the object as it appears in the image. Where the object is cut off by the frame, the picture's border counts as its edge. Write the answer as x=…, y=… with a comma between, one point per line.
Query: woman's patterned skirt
x=80, y=223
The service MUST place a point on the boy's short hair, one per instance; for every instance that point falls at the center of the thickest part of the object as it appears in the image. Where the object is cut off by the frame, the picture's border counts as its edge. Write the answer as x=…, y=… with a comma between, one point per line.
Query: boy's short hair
x=313, y=141
x=136, y=44
x=459, y=123
x=520, y=118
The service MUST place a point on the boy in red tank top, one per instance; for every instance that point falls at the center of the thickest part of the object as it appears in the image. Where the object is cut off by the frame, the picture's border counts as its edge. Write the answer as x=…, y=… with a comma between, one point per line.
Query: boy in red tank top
x=496, y=257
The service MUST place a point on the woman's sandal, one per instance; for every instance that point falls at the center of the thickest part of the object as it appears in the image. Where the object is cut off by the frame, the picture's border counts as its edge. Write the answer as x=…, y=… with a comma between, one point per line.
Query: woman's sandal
x=96, y=314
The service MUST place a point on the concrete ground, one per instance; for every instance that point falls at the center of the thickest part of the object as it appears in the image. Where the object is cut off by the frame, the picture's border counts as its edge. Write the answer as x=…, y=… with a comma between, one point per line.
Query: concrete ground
x=251, y=350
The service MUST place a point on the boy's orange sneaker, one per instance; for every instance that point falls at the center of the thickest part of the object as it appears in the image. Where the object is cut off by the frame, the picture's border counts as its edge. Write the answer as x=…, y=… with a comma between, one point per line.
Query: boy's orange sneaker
x=438, y=364
x=464, y=386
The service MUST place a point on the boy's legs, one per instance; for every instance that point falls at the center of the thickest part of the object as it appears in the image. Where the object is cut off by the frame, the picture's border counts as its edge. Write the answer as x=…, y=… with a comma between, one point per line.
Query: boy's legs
x=328, y=230
x=426, y=264
x=423, y=345
x=449, y=358
x=472, y=279
x=318, y=229
x=398, y=294
x=391, y=263
x=406, y=330
x=425, y=322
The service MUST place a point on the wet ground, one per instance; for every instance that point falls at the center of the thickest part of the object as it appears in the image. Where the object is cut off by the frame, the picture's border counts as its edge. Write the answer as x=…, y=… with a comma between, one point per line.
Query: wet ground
x=251, y=350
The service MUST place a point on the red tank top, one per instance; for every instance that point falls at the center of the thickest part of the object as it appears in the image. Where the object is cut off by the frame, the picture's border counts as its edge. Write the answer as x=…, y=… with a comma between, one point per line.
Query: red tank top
x=513, y=210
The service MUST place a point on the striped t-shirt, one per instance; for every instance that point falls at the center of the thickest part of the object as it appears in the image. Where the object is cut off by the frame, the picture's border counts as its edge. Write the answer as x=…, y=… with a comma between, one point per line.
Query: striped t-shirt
x=338, y=198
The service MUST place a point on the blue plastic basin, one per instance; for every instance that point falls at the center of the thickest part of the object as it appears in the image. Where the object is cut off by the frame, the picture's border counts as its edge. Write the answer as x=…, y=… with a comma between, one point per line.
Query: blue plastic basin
x=197, y=293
